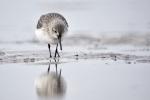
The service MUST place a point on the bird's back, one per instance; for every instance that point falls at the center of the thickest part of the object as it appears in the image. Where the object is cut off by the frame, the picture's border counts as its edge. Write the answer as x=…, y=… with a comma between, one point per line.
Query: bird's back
x=48, y=18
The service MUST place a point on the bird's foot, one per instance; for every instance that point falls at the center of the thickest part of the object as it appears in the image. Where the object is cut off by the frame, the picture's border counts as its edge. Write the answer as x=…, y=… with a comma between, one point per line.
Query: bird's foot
x=50, y=56
x=56, y=54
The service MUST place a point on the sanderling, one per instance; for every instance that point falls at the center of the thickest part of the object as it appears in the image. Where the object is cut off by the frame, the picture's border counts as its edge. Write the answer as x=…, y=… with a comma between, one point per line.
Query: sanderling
x=50, y=29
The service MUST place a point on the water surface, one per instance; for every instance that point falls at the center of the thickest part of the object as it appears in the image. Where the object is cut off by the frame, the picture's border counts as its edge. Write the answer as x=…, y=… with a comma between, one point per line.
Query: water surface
x=87, y=79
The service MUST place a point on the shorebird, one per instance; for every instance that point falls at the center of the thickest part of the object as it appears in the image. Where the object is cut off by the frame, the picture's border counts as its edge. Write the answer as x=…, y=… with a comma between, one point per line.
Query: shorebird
x=50, y=29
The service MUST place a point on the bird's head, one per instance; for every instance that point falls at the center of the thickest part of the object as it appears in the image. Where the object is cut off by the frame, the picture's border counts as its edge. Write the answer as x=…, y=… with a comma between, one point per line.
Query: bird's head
x=58, y=30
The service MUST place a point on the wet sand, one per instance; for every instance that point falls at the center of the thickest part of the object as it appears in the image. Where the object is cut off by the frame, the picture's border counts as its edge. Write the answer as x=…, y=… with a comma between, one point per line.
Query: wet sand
x=35, y=53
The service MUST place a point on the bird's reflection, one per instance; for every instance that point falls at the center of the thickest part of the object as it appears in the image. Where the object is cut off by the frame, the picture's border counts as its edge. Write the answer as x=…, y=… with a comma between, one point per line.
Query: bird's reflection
x=51, y=83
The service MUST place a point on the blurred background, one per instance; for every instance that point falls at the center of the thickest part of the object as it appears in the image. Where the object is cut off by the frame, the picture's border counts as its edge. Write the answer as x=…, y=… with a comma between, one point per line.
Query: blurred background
x=129, y=18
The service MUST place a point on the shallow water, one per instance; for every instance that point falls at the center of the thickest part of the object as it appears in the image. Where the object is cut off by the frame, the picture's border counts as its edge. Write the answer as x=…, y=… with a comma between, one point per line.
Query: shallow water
x=88, y=79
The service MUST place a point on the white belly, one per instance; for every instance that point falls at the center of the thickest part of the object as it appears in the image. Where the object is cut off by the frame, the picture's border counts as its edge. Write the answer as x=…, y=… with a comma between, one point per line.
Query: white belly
x=45, y=37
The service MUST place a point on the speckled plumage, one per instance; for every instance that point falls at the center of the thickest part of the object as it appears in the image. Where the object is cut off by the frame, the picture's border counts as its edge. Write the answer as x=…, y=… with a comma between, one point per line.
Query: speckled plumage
x=48, y=18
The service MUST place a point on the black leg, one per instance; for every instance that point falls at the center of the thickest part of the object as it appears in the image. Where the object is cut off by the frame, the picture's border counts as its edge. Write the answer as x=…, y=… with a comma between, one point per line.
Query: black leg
x=60, y=74
x=49, y=47
x=55, y=64
x=56, y=51
x=49, y=67
x=56, y=67
x=60, y=43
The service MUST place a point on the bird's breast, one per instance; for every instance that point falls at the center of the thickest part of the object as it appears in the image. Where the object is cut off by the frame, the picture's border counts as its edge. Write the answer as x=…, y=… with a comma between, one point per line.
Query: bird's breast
x=45, y=37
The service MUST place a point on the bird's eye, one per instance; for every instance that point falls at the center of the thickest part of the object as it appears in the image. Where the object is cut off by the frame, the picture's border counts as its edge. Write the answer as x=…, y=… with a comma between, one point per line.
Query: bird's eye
x=55, y=31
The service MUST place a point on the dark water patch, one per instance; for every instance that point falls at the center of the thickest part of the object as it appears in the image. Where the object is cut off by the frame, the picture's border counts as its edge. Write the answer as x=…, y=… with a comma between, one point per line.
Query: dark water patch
x=143, y=61
x=2, y=53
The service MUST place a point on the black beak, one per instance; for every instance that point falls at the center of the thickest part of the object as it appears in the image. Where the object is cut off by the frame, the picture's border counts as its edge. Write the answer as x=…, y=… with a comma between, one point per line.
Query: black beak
x=59, y=39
